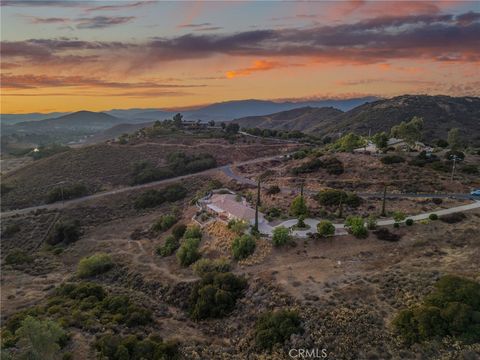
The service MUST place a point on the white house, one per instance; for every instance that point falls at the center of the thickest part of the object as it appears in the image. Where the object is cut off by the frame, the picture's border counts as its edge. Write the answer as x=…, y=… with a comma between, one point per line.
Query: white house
x=397, y=144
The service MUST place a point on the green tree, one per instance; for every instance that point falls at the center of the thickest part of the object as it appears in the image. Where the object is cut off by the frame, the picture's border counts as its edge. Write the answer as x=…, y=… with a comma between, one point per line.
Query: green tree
x=454, y=139
x=399, y=216
x=39, y=340
x=410, y=131
x=177, y=120
x=299, y=206
x=276, y=327
x=349, y=142
x=380, y=140
x=94, y=265
x=281, y=236
x=325, y=228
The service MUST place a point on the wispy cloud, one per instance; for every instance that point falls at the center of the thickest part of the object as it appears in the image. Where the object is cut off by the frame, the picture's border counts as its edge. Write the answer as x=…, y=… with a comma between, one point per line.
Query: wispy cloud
x=200, y=27
x=120, y=6
x=99, y=22
x=257, y=66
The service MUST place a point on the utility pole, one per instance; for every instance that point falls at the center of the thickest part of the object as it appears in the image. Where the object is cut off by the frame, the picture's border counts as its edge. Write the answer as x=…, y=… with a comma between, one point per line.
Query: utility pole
x=258, y=193
x=383, y=201
x=455, y=158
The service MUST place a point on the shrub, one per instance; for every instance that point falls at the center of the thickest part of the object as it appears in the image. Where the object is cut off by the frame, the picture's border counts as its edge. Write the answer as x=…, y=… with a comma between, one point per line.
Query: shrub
x=450, y=310
x=386, y=235
x=115, y=347
x=409, y=222
x=153, y=198
x=144, y=172
x=437, y=201
x=18, y=257
x=396, y=225
x=39, y=339
x=170, y=246
x=433, y=217
x=325, y=228
x=164, y=223
x=243, y=246
x=333, y=166
x=238, y=226
x=392, y=159
x=276, y=327
x=94, y=265
x=332, y=197
x=204, y=266
x=308, y=167
x=272, y=190
x=371, y=222
x=356, y=226
x=10, y=230
x=215, y=295
x=469, y=169
x=299, y=206
x=65, y=231
x=193, y=232
x=66, y=193
x=188, y=252
x=399, y=216
x=281, y=236
x=440, y=166
x=452, y=153
x=178, y=231
x=441, y=143
x=453, y=218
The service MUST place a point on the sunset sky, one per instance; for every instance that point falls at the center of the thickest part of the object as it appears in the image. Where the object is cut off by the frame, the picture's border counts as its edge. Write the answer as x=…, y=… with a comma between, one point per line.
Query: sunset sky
x=98, y=55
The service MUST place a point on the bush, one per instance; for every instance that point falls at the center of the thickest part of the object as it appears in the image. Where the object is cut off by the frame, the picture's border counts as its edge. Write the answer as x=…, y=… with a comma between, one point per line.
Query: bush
x=10, y=230
x=144, y=172
x=325, y=228
x=276, y=327
x=39, y=339
x=332, y=197
x=356, y=226
x=243, y=246
x=66, y=193
x=392, y=159
x=450, y=310
x=153, y=198
x=386, y=235
x=399, y=216
x=308, y=167
x=272, y=190
x=65, y=231
x=164, y=223
x=238, y=226
x=453, y=218
x=299, y=206
x=18, y=257
x=193, y=232
x=469, y=169
x=215, y=295
x=437, y=201
x=371, y=222
x=178, y=231
x=94, y=265
x=281, y=236
x=170, y=246
x=115, y=347
x=452, y=153
x=205, y=266
x=433, y=217
x=441, y=166
x=441, y=143
x=333, y=166
x=409, y=222
x=188, y=252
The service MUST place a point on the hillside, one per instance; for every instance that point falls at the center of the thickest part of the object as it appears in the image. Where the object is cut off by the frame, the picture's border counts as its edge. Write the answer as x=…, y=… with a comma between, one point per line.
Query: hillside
x=440, y=114
x=302, y=119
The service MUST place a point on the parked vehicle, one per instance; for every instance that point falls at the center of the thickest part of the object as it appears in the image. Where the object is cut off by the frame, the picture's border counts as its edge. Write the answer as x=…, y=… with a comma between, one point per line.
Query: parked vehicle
x=475, y=192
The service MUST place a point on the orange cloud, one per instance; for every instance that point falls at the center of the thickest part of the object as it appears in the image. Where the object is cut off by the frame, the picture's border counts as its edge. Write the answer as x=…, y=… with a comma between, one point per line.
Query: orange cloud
x=258, y=65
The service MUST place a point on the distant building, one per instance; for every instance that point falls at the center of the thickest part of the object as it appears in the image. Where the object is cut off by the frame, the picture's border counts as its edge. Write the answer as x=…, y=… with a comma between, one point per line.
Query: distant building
x=230, y=206
x=397, y=144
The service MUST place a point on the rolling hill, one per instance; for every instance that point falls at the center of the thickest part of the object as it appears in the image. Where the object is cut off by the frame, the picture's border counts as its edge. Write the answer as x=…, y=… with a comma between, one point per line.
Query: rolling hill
x=302, y=119
x=440, y=114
